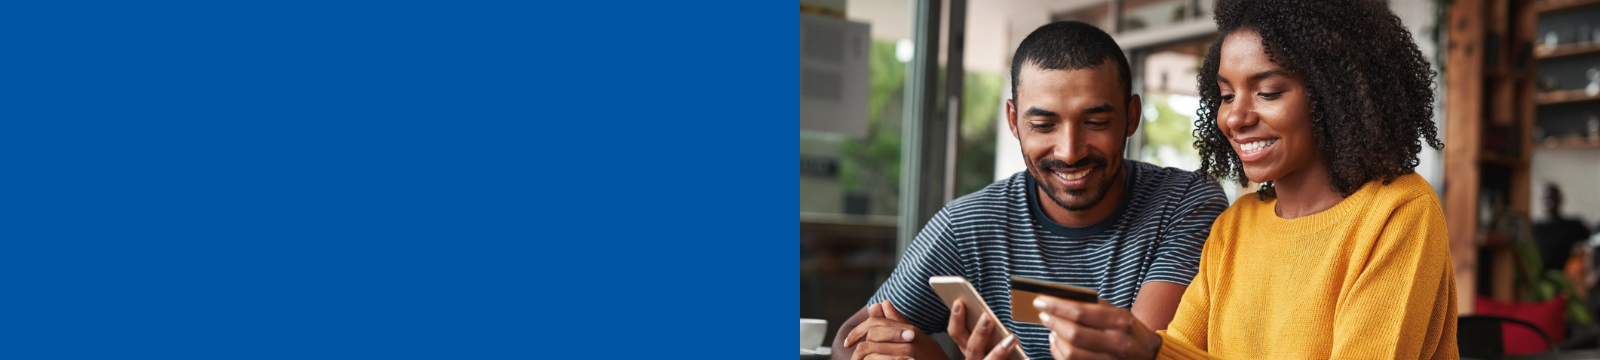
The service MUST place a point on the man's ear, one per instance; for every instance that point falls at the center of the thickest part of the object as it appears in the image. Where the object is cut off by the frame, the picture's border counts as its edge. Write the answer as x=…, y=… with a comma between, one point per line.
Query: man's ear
x=1135, y=114
x=1011, y=117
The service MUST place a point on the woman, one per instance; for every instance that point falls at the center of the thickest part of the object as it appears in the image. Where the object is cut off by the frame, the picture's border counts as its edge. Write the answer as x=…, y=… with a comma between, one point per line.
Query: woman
x=1342, y=252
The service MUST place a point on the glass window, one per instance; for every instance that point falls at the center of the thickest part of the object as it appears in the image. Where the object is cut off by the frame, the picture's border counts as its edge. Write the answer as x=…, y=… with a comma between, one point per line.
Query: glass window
x=1148, y=14
x=850, y=183
x=1098, y=15
x=982, y=102
x=1170, y=104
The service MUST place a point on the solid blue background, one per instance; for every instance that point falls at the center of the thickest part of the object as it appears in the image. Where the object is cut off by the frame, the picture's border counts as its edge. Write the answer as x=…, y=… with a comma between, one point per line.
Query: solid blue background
x=397, y=180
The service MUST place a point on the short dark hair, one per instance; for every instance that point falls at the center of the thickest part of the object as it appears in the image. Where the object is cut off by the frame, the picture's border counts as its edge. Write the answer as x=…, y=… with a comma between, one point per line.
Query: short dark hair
x=1069, y=45
x=1369, y=87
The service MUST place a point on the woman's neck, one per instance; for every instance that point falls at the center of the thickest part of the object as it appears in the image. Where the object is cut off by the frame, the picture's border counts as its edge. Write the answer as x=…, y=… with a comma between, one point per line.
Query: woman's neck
x=1305, y=192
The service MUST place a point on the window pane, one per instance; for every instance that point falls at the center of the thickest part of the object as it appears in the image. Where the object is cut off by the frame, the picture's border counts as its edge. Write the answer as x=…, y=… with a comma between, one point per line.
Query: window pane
x=1171, y=102
x=1147, y=14
x=1097, y=15
x=850, y=182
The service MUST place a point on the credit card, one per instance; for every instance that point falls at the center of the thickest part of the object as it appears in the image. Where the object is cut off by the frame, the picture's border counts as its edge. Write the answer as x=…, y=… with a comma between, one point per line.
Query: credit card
x=1024, y=290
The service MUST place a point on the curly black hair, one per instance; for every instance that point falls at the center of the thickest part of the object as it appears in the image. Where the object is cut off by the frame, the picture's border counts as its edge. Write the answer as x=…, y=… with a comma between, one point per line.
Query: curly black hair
x=1370, y=88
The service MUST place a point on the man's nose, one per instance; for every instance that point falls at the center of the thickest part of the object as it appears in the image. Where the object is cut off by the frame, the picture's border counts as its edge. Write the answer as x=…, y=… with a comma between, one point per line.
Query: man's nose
x=1072, y=146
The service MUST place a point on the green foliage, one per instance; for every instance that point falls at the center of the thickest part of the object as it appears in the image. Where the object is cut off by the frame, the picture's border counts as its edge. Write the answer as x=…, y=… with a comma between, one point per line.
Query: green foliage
x=1170, y=129
x=980, y=116
x=1134, y=24
x=1548, y=284
x=871, y=165
x=888, y=78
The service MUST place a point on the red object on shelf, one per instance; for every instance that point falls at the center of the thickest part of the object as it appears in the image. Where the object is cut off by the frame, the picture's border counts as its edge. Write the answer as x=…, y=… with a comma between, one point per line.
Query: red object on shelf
x=1550, y=316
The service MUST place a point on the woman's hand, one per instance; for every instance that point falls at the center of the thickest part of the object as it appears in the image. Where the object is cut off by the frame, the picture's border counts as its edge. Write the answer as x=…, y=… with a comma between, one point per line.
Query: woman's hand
x=1095, y=331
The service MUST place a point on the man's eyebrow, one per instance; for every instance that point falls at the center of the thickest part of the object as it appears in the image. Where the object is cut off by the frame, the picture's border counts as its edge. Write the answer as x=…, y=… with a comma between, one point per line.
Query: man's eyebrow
x=1033, y=111
x=1099, y=109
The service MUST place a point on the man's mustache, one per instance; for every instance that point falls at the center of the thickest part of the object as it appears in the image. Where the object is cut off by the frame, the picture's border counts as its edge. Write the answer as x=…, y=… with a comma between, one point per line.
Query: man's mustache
x=1053, y=164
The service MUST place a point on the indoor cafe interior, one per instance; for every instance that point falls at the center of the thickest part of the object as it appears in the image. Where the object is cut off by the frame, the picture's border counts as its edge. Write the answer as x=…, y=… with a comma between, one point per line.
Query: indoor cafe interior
x=902, y=107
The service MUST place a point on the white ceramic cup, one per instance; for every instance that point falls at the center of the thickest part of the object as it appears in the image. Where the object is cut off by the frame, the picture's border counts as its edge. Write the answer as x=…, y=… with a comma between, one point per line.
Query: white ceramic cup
x=811, y=333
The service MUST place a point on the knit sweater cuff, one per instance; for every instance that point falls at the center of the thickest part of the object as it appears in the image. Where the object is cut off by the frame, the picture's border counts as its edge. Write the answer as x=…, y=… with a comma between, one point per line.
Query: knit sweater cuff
x=1174, y=349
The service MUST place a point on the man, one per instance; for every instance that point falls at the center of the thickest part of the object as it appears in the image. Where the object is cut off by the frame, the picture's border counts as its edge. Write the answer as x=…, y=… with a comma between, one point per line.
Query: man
x=1556, y=234
x=1080, y=215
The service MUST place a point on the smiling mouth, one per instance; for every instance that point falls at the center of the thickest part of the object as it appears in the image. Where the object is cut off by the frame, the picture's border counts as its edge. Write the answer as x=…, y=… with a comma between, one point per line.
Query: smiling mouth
x=1069, y=176
x=1257, y=146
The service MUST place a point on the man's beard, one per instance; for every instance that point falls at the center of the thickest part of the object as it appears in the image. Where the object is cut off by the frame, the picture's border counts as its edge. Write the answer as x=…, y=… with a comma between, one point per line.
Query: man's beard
x=1087, y=198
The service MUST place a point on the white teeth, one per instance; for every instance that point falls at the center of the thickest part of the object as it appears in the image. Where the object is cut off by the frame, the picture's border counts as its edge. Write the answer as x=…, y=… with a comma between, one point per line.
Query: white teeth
x=1073, y=176
x=1257, y=145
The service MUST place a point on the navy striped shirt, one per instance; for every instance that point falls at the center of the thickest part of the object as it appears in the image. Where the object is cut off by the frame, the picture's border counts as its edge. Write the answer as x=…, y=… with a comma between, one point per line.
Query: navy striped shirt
x=1155, y=234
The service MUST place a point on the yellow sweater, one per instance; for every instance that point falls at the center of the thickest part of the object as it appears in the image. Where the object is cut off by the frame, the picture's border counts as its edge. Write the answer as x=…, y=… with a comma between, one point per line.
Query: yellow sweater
x=1370, y=278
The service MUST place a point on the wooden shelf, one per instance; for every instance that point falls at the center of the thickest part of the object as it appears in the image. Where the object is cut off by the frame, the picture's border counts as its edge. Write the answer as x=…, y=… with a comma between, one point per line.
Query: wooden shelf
x=1550, y=6
x=1562, y=96
x=1568, y=146
x=1592, y=47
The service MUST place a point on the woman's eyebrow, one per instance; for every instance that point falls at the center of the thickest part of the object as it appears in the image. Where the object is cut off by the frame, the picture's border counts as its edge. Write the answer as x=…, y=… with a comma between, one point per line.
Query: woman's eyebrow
x=1257, y=76
x=1267, y=74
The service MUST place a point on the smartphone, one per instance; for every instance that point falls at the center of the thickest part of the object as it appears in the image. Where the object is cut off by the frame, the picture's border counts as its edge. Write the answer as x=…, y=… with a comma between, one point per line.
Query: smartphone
x=1025, y=290
x=952, y=288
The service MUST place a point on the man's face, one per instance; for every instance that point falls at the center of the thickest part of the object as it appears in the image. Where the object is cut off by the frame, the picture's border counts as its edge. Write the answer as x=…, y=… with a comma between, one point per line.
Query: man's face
x=1073, y=125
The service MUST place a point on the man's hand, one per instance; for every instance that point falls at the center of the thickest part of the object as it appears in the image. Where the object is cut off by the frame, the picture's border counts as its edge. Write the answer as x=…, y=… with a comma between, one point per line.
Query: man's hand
x=974, y=344
x=1095, y=331
x=888, y=335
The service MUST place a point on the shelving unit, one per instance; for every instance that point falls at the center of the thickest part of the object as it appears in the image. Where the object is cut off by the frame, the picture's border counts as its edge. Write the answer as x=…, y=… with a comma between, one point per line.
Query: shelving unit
x=1489, y=114
x=1559, y=51
x=1561, y=112
x=1553, y=6
x=1589, y=146
x=1493, y=106
x=1563, y=96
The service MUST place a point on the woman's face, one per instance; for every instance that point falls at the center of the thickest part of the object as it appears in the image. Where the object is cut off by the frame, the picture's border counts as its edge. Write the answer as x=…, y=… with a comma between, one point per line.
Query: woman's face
x=1264, y=111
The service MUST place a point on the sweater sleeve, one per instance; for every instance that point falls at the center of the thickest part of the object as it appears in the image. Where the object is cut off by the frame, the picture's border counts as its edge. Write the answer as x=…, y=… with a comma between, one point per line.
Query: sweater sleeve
x=1401, y=304
x=1173, y=348
x=1185, y=337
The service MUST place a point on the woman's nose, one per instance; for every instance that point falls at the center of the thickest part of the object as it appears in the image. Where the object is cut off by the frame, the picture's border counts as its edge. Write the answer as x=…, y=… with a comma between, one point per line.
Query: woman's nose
x=1238, y=115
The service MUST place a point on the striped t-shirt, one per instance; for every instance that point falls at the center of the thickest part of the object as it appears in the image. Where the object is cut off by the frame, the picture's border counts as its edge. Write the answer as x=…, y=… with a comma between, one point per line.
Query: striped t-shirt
x=1155, y=234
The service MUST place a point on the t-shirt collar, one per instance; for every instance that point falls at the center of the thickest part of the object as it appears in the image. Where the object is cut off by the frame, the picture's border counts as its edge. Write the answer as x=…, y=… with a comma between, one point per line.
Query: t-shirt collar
x=1036, y=209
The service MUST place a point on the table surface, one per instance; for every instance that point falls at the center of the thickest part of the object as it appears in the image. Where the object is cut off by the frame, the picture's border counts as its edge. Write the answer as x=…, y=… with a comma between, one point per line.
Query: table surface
x=826, y=353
